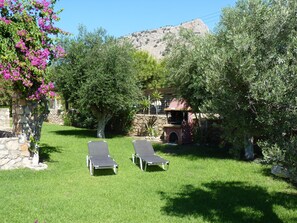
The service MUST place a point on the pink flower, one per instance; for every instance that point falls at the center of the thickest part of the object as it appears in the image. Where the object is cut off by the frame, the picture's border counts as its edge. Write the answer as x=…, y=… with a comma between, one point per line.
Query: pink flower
x=22, y=32
x=21, y=45
x=55, y=17
x=6, y=74
x=38, y=58
x=7, y=21
x=60, y=52
x=45, y=24
x=27, y=83
x=52, y=94
x=51, y=85
x=16, y=75
x=32, y=52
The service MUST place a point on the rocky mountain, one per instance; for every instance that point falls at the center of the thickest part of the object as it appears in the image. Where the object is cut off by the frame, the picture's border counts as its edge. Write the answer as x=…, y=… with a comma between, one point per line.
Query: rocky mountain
x=153, y=40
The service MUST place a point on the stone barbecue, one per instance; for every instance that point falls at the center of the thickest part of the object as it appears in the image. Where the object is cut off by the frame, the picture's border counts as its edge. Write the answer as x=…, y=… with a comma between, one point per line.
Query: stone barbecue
x=179, y=123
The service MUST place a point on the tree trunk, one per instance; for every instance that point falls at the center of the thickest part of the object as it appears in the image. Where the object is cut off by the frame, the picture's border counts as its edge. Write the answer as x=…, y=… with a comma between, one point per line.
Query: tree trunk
x=101, y=128
x=28, y=117
x=249, y=147
x=102, y=120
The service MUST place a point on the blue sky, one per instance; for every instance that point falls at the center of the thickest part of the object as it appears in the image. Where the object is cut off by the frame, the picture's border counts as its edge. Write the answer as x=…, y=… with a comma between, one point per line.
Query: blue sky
x=122, y=17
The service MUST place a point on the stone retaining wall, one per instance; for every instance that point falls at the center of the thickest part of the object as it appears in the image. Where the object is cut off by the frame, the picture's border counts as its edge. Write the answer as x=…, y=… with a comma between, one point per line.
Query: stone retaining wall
x=14, y=154
x=55, y=116
x=138, y=126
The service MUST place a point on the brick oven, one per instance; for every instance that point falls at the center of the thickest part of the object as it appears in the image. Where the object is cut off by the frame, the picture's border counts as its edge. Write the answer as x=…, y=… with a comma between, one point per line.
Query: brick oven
x=179, y=123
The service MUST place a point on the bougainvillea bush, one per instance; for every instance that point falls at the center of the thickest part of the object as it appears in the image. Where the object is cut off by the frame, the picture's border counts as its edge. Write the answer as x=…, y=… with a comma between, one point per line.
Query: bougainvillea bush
x=26, y=49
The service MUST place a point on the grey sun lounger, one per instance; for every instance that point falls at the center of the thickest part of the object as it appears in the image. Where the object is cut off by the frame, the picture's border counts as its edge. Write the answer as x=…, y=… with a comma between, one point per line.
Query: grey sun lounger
x=99, y=158
x=145, y=153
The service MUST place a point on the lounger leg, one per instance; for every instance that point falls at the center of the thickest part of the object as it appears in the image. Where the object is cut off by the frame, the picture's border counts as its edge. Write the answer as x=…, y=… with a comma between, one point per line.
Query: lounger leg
x=91, y=169
x=88, y=161
x=145, y=166
x=133, y=158
x=140, y=160
x=115, y=169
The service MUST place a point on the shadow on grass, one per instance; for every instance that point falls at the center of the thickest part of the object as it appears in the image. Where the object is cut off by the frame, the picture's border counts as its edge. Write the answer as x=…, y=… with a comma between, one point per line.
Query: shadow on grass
x=83, y=133
x=104, y=172
x=229, y=202
x=266, y=171
x=193, y=151
x=150, y=168
x=80, y=133
x=45, y=152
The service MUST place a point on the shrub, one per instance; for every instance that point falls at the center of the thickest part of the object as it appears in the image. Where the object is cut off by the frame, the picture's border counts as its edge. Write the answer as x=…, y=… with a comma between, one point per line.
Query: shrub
x=283, y=153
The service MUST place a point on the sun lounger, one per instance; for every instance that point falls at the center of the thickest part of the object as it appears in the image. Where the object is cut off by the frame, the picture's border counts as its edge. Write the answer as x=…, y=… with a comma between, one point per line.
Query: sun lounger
x=144, y=152
x=99, y=158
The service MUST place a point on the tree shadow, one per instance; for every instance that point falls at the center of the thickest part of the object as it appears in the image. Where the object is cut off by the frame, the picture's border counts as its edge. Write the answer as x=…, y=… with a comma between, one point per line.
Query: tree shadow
x=266, y=171
x=150, y=168
x=228, y=202
x=83, y=133
x=80, y=133
x=193, y=151
x=45, y=151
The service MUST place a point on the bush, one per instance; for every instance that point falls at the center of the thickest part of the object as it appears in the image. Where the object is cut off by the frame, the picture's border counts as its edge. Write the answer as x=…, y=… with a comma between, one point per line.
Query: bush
x=121, y=123
x=79, y=119
x=283, y=154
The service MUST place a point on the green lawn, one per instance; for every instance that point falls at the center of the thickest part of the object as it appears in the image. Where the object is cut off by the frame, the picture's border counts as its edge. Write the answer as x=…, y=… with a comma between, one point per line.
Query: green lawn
x=201, y=185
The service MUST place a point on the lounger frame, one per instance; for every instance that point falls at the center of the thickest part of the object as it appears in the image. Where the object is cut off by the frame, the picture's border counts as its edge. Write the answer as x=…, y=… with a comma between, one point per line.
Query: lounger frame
x=145, y=155
x=99, y=158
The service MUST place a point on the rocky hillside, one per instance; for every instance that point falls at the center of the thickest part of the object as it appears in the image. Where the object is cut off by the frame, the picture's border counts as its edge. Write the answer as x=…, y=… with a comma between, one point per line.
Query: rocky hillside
x=153, y=40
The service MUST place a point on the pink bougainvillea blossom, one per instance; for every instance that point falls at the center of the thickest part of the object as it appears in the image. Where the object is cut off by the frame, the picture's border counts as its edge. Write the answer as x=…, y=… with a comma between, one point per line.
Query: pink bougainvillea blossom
x=42, y=4
x=38, y=58
x=5, y=71
x=22, y=32
x=44, y=89
x=60, y=52
x=22, y=46
x=27, y=83
x=7, y=21
x=29, y=28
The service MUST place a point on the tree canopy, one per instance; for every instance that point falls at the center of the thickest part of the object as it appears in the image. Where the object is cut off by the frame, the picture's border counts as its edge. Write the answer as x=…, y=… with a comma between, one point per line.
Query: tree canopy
x=245, y=71
x=98, y=75
x=151, y=73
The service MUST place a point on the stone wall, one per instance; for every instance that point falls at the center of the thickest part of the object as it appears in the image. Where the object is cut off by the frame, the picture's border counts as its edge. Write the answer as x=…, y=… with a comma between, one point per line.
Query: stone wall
x=14, y=154
x=4, y=119
x=138, y=127
x=55, y=116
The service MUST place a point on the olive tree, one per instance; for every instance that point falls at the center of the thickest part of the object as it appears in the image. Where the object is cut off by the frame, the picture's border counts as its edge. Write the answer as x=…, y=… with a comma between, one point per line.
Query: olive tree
x=246, y=72
x=97, y=75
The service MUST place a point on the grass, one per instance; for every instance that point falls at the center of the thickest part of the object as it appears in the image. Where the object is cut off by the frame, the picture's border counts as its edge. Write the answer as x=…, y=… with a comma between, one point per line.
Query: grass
x=201, y=185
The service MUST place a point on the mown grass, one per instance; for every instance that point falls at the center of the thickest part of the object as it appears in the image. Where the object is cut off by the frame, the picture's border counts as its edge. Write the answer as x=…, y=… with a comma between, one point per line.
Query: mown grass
x=201, y=185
